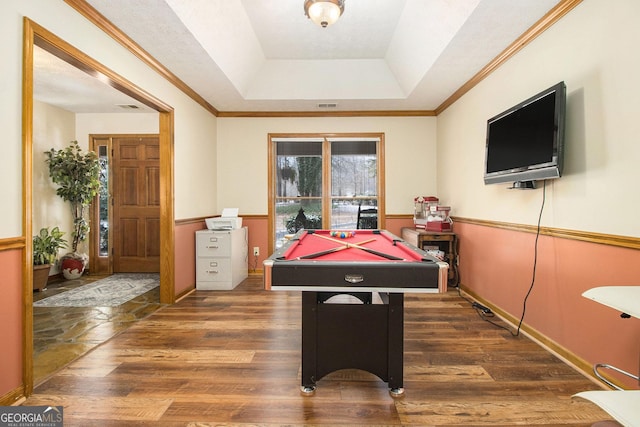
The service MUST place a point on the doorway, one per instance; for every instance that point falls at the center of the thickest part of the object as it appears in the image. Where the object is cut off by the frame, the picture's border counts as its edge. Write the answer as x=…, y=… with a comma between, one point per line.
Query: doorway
x=127, y=209
x=35, y=35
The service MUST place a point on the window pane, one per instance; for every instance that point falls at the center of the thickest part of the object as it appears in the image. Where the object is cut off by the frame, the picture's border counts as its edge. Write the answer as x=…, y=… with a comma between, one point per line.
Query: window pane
x=354, y=169
x=103, y=202
x=353, y=147
x=293, y=214
x=351, y=214
x=349, y=167
x=299, y=148
x=299, y=169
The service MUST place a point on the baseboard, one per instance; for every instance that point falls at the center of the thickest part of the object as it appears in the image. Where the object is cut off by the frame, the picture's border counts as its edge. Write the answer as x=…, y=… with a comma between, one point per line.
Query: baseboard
x=14, y=397
x=562, y=353
x=185, y=293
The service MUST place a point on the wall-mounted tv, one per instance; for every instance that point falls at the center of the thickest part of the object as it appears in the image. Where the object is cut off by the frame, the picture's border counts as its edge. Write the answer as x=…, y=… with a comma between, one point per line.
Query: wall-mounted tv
x=526, y=142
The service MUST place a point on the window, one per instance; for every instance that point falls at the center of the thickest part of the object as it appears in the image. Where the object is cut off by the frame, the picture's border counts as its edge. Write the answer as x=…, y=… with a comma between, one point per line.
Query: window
x=324, y=182
x=103, y=202
x=100, y=238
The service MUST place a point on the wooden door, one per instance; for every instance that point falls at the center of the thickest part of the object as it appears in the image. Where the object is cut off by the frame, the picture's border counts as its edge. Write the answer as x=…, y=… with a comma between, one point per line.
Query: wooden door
x=136, y=204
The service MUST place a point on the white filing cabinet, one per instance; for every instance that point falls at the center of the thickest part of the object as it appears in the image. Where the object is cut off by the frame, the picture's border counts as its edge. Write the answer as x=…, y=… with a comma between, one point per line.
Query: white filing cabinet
x=221, y=258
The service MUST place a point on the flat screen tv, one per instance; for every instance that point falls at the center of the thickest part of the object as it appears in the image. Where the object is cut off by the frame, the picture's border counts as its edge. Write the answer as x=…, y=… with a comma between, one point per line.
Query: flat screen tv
x=526, y=142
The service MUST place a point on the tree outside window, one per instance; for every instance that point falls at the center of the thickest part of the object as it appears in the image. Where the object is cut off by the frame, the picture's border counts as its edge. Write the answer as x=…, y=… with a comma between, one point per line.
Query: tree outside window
x=323, y=182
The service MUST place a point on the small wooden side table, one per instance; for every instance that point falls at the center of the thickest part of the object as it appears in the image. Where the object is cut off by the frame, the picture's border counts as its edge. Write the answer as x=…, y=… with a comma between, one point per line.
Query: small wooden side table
x=446, y=241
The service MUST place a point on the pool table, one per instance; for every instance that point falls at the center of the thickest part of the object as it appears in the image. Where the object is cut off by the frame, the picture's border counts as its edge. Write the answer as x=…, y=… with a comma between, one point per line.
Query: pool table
x=372, y=269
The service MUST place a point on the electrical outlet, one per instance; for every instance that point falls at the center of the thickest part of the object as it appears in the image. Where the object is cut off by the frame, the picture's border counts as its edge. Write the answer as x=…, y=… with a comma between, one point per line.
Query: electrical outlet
x=256, y=250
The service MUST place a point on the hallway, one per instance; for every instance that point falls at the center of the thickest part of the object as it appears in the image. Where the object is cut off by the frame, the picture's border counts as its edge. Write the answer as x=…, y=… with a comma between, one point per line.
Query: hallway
x=62, y=334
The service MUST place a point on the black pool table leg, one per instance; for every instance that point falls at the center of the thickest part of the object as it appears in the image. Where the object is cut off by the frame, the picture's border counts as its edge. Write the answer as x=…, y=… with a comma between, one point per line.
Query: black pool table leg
x=309, y=342
x=396, y=344
x=394, y=323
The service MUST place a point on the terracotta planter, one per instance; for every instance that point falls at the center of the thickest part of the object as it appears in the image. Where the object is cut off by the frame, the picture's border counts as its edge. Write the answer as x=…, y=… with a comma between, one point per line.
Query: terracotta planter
x=40, y=276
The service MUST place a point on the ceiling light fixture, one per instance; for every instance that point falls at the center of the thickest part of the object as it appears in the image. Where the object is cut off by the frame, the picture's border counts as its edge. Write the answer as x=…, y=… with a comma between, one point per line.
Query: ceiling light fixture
x=323, y=12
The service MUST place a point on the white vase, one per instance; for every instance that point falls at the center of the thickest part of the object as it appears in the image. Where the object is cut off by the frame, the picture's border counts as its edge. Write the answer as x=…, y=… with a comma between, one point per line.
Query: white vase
x=73, y=266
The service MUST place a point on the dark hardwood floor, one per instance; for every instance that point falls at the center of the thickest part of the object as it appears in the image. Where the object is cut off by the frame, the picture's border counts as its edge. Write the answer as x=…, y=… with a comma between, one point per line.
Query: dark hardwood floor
x=233, y=358
x=62, y=334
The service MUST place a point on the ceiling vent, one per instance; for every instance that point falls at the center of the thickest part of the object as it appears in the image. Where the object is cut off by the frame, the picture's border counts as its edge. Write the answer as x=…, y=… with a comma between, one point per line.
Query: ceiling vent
x=128, y=106
x=328, y=105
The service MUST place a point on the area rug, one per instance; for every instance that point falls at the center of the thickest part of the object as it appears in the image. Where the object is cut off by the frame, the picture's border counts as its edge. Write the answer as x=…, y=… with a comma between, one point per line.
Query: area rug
x=111, y=291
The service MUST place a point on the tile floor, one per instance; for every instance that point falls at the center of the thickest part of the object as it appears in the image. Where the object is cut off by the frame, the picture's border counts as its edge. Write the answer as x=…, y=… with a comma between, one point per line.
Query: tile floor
x=62, y=334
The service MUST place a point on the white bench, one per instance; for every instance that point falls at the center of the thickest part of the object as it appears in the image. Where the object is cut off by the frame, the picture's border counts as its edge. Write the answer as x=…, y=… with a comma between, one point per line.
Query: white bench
x=622, y=405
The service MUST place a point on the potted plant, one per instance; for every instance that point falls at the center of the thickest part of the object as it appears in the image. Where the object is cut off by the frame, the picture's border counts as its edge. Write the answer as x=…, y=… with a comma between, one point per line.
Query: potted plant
x=46, y=245
x=77, y=175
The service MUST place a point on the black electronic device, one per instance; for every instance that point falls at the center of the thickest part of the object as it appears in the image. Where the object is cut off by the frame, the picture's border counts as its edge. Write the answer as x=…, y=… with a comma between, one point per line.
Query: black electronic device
x=526, y=142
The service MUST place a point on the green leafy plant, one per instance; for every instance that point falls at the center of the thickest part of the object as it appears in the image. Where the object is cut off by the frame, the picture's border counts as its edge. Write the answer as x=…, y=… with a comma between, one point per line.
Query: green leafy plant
x=77, y=175
x=46, y=245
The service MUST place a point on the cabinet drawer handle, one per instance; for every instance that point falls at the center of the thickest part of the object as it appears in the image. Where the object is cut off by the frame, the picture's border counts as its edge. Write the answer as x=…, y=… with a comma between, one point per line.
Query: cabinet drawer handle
x=213, y=264
x=212, y=271
x=213, y=239
x=212, y=247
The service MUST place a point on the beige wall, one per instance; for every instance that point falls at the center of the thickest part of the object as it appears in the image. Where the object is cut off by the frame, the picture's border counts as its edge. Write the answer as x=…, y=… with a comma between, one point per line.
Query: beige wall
x=410, y=156
x=194, y=146
x=222, y=162
x=195, y=128
x=593, y=49
x=90, y=123
x=52, y=128
x=196, y=180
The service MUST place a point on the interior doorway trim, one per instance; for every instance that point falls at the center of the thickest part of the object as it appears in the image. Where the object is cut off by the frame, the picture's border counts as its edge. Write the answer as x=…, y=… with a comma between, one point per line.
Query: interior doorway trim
x=34, y=34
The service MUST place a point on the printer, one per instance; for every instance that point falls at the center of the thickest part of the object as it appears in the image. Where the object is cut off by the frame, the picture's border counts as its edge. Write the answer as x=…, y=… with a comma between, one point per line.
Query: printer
x=229, y=220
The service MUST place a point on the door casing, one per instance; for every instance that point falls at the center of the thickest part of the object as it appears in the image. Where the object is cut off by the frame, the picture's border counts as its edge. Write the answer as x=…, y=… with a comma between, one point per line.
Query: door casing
x=34, y=34
x=112, y=263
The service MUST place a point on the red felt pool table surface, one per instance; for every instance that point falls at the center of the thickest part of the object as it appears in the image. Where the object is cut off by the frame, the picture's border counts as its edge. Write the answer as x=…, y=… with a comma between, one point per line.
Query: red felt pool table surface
x=382, y=262
x=321, y=240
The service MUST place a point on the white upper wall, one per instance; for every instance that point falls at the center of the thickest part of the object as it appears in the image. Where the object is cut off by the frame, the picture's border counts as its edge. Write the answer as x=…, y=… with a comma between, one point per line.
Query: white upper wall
x=93, y=123
x=52, y=128
x=594, y=50
x=591, y=49
x=194, y=130
x=410, y=157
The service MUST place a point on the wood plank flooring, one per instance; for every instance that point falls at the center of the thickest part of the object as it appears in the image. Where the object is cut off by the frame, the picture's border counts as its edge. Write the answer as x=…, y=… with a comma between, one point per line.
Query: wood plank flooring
x=228, y=358
x=62, y=334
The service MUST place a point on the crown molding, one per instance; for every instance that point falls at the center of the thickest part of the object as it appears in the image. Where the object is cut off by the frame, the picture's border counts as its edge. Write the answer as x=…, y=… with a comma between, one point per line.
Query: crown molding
x=554, y=15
